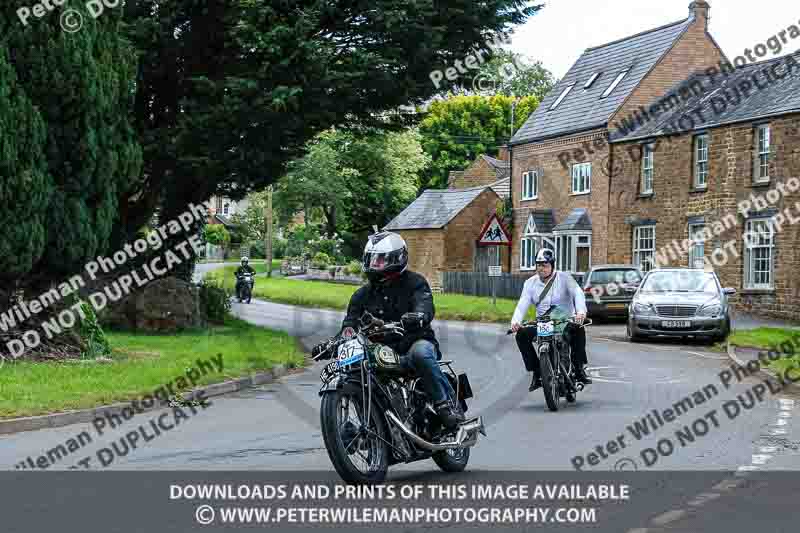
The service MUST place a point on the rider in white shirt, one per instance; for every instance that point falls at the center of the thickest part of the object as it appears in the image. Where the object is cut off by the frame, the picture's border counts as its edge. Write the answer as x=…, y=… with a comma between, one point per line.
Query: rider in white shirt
x=567, y=296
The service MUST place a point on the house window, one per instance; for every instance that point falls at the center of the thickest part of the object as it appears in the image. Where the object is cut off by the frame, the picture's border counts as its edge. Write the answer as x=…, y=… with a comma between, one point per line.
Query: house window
x=581, y=178
x=573, y=252
x=530, y=244
x=644, y=247
x=226, y=209
x=527, y=253
x=530, y=185
x=591, y=80
x=561, y=97
x=763, y=148
x=698, y=250
x=701, y=161
x=759, y=264
x=219, y=205
x=614, y=84
x=647, y=169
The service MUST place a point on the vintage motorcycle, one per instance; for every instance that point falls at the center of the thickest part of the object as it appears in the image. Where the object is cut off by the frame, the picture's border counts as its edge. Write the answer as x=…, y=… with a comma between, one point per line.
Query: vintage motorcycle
x=555, y=361
x=375, y=413
x=245, y=284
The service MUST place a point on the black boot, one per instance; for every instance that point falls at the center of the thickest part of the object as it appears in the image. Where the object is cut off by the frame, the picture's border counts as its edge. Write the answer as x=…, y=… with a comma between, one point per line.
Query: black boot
x=536, y=383
x=447, y=415
x=580, y=375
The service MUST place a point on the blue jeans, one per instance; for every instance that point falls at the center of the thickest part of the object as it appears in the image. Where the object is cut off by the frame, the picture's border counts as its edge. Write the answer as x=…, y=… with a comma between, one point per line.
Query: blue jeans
x=422, y=358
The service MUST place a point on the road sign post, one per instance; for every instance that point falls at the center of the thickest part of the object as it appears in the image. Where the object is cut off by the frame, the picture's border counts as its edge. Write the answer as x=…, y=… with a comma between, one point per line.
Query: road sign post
x=494, y=272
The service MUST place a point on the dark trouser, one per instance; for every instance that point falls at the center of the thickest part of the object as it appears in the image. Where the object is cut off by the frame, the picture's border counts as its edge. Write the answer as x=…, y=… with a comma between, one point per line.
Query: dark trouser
x=422, y=358
x=575, y=336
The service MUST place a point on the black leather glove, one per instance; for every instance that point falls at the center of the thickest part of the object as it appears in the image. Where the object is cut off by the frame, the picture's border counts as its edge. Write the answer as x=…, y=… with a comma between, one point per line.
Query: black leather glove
x=412, y=321
x=319, y=349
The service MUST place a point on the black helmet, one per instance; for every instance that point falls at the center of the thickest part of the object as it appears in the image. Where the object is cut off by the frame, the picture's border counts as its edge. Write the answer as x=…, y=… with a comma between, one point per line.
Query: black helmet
x=546, y=255
x=386, y=253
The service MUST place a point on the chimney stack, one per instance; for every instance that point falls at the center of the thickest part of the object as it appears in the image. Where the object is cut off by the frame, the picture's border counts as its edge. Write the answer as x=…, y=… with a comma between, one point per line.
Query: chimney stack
x=699, y=10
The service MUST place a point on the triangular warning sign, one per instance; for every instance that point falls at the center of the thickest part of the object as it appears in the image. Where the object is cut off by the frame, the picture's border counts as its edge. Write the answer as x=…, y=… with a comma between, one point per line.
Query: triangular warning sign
x=493, y=233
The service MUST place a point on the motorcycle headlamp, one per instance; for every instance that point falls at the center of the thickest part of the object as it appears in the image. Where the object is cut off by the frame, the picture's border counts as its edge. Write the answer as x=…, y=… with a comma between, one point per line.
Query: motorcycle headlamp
x=387, y=358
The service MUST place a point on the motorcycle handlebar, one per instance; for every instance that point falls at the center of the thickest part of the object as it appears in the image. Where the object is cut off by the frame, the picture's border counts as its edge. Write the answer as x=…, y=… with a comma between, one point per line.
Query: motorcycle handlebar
x=524, y=325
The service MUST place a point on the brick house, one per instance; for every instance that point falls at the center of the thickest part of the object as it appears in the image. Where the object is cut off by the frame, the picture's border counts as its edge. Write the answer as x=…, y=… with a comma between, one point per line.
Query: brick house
x=561, y=157
x=442, y=226
x=680, y=195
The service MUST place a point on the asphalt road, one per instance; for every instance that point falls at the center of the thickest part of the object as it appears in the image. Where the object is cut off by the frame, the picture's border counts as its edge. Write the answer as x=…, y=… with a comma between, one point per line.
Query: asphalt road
x=276, y=426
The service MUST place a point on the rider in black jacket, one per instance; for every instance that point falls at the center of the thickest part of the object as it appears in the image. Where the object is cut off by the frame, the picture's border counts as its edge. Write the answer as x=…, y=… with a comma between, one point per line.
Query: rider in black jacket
x=395, y=294
x=245, y=268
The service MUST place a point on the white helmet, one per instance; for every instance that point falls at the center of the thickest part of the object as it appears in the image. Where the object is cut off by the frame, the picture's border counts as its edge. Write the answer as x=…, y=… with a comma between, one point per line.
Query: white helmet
x=245, y=259
x=385, y=253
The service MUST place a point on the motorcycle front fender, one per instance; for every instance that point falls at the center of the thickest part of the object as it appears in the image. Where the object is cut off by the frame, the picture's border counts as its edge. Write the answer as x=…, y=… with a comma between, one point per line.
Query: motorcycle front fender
x=331, y=386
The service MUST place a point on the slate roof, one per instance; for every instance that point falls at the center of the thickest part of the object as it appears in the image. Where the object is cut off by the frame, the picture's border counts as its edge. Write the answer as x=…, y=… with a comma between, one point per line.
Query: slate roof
x=545, y=220
x=584, y=109
x=706, y=108
x=434, y=208
x=502, y=187
x=501, y=168
x=578, y=220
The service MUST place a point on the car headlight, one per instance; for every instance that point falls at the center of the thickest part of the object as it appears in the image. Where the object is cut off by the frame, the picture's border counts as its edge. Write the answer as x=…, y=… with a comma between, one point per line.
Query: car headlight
x=642, y=309
x=710, y=310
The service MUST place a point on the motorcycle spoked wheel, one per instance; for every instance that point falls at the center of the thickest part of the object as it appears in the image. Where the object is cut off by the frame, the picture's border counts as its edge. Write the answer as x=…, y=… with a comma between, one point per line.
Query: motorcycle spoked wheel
x=357, y=457
x=550, y=383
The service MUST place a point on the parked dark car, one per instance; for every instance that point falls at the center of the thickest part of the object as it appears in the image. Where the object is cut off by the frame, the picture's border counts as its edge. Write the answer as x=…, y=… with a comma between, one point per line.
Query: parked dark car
x=609, y=290
x=680, y=302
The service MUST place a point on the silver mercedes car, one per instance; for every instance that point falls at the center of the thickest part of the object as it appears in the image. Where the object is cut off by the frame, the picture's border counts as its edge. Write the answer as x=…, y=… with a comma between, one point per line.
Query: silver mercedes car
x=680, y=302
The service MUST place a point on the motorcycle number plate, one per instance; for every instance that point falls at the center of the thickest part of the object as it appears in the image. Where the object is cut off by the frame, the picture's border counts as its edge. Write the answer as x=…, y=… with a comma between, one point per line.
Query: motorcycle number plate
x=350, y=352
x=545, y=329
x=329, y=371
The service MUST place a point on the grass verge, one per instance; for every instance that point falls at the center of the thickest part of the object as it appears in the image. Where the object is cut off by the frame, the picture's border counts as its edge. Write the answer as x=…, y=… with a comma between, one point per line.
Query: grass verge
x=785, y=341
x=140, y=364
x=325, y=295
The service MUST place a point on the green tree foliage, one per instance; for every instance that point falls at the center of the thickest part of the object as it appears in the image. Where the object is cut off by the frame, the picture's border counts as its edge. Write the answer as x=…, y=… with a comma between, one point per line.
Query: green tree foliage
x=25, y=183
x=229, y=91
x=458, y=129
x=217, y=235
x=81, y=85
x=512, y=74
x=355, y=180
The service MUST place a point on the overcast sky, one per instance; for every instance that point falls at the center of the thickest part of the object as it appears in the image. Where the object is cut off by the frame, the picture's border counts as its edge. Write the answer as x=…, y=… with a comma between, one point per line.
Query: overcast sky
x=563, y=29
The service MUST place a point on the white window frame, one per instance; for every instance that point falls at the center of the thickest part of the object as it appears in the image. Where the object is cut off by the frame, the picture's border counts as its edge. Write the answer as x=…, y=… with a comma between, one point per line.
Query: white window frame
x=700, y=161
x=614, y=83
x=697, y=251
x=567, y=244
x=530, y=243
x=226, y=208
x=581, y=178
x=648, y=156
x=561, y=97
x=752, y=242
x=530, y=185
x=640, y=251
x=591, y=80
x=763, y=146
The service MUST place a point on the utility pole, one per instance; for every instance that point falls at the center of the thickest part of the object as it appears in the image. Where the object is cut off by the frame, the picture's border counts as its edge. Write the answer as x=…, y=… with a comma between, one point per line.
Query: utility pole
x=268, y=220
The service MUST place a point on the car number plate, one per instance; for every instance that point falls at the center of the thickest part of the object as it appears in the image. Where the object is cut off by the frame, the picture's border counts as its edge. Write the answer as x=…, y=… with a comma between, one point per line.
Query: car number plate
x=329, y=371
x=545, y=329
x=676, y=324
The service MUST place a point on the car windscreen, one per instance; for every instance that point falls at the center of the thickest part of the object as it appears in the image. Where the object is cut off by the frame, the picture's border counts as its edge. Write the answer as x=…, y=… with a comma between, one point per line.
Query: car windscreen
x=617, y=275
x=680, y=281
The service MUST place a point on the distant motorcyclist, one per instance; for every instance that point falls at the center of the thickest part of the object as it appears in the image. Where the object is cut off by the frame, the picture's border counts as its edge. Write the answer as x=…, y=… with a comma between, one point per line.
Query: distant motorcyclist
x=395, y=294
x=244, y=269
x=565, y=294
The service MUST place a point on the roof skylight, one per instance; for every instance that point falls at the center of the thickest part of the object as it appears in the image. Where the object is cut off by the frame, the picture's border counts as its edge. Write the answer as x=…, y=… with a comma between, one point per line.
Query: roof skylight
x=614, y=83
x=561, y=98
x=591, y=80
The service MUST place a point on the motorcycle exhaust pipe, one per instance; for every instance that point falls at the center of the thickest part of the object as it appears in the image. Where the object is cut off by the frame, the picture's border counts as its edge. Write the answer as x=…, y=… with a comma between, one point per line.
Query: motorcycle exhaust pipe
x=466, y=437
